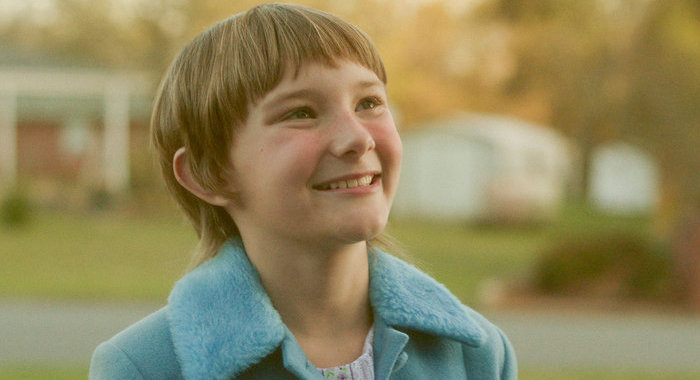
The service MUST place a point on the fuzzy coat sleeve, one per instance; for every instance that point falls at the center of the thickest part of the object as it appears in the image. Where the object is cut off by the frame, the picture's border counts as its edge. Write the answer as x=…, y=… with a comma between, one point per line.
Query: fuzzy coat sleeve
x=142, y=351
x=110, y=362
x=495, y=359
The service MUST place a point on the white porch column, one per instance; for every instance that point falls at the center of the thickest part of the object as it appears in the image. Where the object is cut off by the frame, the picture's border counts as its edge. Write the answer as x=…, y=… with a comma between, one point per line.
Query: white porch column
x=8, y=136
x=116, y=136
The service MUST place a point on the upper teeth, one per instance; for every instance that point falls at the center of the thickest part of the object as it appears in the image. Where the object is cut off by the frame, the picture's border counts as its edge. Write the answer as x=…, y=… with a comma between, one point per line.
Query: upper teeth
x=348, y=184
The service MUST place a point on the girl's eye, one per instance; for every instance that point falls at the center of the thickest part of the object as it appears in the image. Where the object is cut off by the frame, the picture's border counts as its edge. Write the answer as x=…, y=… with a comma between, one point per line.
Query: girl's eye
x=300, y=113
x=368, y=104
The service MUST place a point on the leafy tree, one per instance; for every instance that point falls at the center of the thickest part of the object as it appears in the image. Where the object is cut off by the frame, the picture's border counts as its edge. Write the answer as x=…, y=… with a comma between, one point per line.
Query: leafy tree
x=567, y=56
x=663, y=103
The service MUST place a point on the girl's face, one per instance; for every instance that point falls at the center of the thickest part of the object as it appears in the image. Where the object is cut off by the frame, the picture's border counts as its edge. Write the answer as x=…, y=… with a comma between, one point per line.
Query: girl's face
x=317, y=161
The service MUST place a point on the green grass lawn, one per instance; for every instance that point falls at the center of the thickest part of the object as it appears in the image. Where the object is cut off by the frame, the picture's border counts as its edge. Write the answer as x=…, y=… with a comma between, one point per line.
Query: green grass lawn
x=117, y=257
x=105, y=257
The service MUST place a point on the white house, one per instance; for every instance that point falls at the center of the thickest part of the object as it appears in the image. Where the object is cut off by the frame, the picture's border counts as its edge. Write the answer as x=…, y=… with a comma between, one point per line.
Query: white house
x=33, y=87
x=480, y=167
x=623, y=179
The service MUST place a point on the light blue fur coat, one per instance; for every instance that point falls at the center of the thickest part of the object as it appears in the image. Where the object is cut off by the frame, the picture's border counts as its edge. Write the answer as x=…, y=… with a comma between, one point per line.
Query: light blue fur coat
x=220, y=324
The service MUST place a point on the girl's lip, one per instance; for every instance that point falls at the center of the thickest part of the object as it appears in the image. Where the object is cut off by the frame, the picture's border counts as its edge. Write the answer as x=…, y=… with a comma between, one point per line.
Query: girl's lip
x=356, y=180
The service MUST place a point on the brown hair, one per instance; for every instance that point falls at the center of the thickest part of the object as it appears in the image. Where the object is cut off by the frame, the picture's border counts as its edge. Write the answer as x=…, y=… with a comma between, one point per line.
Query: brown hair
x=206, y=92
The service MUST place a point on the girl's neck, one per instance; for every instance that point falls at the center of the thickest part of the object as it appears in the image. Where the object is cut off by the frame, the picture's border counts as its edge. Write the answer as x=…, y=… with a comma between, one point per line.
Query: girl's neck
x=322, y=296
x=312, y=286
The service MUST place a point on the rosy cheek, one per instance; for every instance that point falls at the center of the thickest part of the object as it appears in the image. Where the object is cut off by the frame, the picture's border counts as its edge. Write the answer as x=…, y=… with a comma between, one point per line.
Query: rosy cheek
x=296, y=150
x=388, y=142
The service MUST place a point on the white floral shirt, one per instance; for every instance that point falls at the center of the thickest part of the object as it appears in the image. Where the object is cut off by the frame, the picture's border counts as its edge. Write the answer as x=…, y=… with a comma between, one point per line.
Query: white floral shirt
x=360, y=369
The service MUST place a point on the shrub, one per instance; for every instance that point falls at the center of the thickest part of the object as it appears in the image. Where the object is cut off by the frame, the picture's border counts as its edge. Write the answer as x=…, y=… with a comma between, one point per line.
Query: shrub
x=615, y=264
x=100, y=199
x=15, y=209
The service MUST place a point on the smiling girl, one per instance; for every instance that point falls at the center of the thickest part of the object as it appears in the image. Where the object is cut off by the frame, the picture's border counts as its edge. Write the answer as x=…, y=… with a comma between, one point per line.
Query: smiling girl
x=275, y=136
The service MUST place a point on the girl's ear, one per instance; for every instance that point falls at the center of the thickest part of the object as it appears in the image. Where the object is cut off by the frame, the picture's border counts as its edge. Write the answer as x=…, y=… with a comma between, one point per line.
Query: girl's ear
x=183, y=174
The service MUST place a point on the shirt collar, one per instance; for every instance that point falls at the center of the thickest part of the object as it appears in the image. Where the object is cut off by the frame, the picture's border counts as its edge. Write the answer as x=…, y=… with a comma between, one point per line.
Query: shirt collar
x=223, y=322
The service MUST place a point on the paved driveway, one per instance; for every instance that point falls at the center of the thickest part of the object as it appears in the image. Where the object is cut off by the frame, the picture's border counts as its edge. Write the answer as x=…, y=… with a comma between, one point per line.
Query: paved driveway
x=636, y=341
x=67, y=332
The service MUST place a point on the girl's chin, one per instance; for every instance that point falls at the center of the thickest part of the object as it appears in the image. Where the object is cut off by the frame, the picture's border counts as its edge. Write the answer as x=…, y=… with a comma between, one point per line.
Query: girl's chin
x=364, y=232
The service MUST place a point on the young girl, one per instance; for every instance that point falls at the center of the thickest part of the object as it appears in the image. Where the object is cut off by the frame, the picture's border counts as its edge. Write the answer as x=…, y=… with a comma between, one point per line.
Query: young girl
x=274, y=134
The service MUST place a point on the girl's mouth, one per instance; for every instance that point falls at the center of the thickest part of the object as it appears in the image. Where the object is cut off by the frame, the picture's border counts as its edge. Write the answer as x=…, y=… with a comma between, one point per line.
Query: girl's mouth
x=365, y=180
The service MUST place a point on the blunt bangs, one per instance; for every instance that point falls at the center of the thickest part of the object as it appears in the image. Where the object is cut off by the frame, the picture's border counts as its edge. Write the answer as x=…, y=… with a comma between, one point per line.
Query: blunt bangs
x=276, y=38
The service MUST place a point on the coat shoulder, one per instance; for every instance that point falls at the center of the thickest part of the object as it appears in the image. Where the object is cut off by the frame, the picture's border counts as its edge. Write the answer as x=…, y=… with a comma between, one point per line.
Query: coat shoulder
x=144, y=350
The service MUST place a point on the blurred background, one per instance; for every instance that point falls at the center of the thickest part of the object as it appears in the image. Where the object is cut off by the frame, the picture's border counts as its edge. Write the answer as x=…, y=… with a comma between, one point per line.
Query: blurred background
x=551, y=173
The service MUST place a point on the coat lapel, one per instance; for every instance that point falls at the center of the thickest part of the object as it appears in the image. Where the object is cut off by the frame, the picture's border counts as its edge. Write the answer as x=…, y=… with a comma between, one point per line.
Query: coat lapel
x=221, y=319
x=405, y=297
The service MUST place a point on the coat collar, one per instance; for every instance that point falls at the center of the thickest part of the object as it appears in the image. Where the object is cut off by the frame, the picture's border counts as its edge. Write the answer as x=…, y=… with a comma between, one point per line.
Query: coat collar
x=223, y=322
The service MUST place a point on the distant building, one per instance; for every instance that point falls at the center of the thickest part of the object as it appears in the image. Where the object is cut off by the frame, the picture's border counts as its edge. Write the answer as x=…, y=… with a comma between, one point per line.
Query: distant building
x=57, y=117
x=623, y=179
x=483, y=168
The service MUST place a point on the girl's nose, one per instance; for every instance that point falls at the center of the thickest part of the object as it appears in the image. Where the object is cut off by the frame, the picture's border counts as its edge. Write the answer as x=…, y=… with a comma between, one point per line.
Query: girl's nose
x=350, y=137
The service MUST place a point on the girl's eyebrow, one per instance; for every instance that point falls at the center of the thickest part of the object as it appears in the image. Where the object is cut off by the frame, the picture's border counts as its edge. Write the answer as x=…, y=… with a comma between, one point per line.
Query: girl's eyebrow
x=369, y=83
x=310, y=93
x=304, y=93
